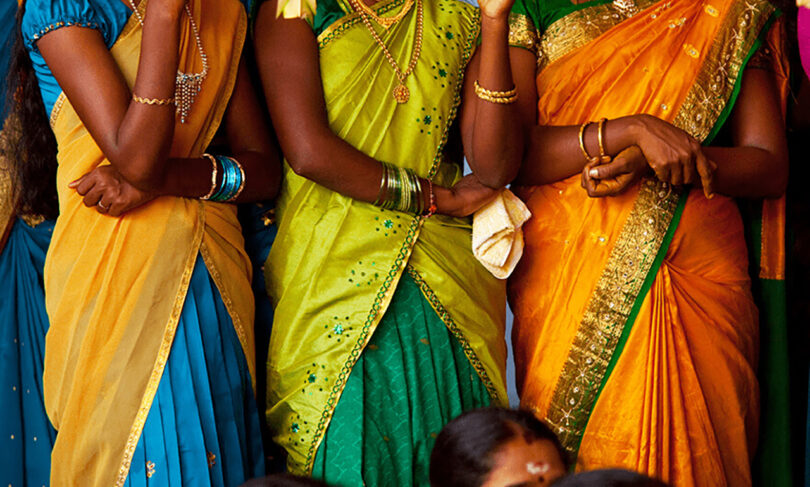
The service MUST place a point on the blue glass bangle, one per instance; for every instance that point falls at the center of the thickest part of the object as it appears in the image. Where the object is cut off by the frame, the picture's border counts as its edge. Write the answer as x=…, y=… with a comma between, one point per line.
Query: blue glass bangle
x=232, y=185
x=221, y=191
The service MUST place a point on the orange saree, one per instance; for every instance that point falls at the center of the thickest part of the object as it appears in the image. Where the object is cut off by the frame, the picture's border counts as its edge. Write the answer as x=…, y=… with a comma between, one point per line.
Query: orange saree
x=636, y=332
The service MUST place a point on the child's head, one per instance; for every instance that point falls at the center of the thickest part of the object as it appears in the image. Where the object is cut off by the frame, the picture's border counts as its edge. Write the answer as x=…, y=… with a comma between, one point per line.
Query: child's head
x=609, y=478
x=496, y=448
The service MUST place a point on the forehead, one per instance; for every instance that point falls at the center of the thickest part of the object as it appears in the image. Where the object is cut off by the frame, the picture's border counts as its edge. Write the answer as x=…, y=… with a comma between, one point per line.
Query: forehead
x=522, y=463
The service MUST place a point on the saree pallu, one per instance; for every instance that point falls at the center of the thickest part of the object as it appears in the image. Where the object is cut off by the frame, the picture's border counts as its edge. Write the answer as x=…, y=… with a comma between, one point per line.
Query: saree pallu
x=335, y=266
x=27, y=435
x=116, y=287
x=636, y=332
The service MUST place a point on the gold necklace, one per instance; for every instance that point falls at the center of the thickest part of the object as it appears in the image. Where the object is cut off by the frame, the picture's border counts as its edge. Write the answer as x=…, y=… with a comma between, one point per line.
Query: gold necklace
x=401, y=93
x=386, y=22
x=186, y=85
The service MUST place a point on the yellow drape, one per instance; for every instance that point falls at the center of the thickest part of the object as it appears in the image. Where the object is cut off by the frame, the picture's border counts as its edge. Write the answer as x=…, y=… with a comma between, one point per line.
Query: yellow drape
x=682, y=400
x=115, y=287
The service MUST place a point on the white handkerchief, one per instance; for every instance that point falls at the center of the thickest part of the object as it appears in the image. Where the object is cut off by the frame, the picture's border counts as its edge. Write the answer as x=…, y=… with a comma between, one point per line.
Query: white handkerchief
x=497, y=239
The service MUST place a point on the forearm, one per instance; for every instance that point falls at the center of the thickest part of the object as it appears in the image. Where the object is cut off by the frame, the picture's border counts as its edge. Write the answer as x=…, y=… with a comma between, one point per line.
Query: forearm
x=748, y=172
x=497, y=133
x=553, y=152
x=144, y=137
x=191, y=177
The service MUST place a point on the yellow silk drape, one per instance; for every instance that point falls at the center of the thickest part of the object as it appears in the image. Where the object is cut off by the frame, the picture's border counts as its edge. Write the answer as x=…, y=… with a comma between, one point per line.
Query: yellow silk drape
x=115, y=287
x=681, y=402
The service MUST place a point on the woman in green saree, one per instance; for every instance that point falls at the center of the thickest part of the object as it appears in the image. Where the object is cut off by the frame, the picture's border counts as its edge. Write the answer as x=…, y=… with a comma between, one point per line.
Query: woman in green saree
x=385, y=326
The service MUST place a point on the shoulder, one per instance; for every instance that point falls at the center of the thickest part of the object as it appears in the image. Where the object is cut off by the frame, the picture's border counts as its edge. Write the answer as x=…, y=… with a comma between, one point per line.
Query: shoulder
x=44, y=16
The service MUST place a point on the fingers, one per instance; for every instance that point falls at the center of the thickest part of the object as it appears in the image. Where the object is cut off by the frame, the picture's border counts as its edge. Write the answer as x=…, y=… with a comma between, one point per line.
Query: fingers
x=706, y=169
x=92, y=197
x=75, y=183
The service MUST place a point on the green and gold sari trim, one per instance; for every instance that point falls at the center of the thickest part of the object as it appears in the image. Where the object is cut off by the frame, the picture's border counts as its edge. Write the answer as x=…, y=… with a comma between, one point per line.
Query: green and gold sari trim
x=351, y=18
x=447, y=319
x=522, y=32
x=609, y=311
x=579, y=28
x=711, y=98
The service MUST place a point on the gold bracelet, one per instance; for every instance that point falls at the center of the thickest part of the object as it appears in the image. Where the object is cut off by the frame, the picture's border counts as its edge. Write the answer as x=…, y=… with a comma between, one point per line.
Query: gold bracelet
x=499, y=97
x=600, y=136
x=153, y=101
x=213, y=176
x=582, y=140
x=497, y=94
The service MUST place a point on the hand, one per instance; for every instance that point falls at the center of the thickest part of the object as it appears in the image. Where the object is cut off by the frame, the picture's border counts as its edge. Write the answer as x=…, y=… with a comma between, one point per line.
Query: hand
x=495, y=9
x=613, y=178
x=675, y=156
x=108, y=192
x=465, y=197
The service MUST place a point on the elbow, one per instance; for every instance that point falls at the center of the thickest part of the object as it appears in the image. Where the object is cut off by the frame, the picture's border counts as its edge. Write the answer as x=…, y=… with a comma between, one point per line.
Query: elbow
x=498, y=175
x=302, y=161
x=141, y=177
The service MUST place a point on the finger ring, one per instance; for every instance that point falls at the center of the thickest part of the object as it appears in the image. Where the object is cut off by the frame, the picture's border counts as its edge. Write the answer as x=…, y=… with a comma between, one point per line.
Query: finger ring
x=105, y=208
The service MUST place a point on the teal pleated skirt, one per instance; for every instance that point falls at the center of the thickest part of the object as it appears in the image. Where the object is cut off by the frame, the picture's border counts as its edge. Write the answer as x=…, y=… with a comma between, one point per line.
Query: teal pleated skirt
x=203, y=427
x=411, y=380
x=26, y=435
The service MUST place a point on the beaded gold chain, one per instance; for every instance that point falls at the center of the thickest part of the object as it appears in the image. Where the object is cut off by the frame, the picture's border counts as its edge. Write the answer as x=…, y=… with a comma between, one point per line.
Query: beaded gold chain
x=186, y=85
x=387, y=22
x=401, y=93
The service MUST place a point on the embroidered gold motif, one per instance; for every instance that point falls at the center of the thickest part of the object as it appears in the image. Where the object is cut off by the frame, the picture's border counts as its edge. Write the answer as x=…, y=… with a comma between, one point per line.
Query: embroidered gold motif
x=719, y=74
x=579, y=28
x=150, y=469
x=522, y=32
x=608, y=310
x=212, y=460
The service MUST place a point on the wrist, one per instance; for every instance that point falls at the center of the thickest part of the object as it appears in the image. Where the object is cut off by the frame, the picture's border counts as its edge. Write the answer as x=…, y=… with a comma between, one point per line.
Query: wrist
x=494, y=22
x=445, y=200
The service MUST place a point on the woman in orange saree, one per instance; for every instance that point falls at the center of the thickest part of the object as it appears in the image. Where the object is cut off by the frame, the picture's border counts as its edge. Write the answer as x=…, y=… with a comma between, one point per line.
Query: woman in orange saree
x=636, y=332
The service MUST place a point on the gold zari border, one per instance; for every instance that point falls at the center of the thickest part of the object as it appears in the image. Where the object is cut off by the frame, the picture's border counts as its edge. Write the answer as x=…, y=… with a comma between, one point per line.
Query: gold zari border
x=718, y=77
x=444, y=315
x=607, y=312
x=337, y=28
x=579, y=28
x=522, y=32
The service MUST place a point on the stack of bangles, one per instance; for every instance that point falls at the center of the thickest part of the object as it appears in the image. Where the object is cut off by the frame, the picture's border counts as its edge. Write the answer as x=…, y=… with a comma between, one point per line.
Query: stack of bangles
x=603, y=156
x=232, y=182
x=401, y=190
x=499, y=97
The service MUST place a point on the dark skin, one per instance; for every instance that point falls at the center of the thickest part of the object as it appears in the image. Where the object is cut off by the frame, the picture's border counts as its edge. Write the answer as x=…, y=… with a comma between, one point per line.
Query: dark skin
x=136, y=137
x=756, y=166
x=492, y=134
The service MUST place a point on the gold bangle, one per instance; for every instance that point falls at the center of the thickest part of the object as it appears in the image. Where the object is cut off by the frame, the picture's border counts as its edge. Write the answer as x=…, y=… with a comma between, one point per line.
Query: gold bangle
x=153, y=101
x=582, y=140
x=600, y=136
x=213, y=176
x=493, y=93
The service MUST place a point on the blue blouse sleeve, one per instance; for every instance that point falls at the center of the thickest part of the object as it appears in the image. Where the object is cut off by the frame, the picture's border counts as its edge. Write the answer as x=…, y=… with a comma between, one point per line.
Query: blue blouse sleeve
x=43, y=16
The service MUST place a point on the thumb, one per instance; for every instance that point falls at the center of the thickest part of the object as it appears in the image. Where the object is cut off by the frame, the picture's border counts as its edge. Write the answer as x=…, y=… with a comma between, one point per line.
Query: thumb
x=610, y=170
x=75, y=183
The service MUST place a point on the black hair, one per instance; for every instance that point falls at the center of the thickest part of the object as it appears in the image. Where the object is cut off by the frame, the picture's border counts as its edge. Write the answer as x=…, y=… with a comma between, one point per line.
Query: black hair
x=284, y=480
x=28, y=145
x=464, y=450
x=613, y=477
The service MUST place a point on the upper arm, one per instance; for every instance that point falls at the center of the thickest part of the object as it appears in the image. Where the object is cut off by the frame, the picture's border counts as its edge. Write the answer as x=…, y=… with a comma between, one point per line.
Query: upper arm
x=82, y=64
x=287, y=57
x=757, y=119
x=246, y=124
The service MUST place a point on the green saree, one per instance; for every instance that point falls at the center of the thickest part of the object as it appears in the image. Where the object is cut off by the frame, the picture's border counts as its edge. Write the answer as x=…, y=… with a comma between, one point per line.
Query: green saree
x=335, y=272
